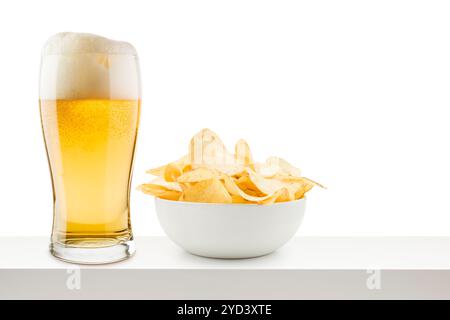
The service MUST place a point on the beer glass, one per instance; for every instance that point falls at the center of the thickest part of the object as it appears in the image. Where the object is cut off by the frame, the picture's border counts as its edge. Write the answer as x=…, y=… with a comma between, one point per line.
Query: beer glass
x=89, y=106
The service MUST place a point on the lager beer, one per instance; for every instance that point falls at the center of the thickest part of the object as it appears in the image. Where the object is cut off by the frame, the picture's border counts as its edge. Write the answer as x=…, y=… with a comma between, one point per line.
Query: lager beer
x=89, y=105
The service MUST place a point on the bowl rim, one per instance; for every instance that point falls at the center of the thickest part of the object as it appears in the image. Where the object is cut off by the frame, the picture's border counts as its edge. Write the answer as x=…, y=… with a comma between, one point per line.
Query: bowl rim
x=229, y=204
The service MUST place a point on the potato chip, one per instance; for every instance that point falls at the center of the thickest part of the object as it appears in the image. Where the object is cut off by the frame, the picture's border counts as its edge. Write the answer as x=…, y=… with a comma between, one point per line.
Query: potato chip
x=272, y=186
x=298, y=185
x=151, y=189
x=239, y=199
x=313, y=183
x=280, y=195
x=266, y=186
x=197, y=175
x=242, y=153
x=232, y=170
x=208, y=191
x=159, y=171
x=187, y=168
x=160, y=184
x=245, y=183
x=294, y=192
x=234, y=190
x=182, y=163
x=284, y=166
x=276, y=166
x=210, y=173
x=300, y=192
x=170, y=195
x=159, y=191
x=267, y=170
x=172, y=172
x=206, y=148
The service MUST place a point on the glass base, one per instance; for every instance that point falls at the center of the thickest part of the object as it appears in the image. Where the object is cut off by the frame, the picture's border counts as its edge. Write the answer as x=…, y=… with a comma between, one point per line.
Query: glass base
x=93, y=255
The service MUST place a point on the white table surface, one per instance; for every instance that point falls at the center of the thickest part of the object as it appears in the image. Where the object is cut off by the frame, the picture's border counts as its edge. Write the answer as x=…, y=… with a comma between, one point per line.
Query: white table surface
x=305, y=268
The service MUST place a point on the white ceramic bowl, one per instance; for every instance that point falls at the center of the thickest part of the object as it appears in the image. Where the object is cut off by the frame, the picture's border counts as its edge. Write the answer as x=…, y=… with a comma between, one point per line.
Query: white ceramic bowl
x=229, y=230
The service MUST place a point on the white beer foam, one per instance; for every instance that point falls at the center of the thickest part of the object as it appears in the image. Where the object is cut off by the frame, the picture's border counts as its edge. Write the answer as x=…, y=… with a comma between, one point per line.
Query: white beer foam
x=87, y=66
x=72, y=43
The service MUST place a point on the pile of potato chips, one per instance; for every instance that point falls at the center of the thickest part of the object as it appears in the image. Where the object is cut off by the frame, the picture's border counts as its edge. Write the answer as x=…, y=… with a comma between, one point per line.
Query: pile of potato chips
x=211, y=174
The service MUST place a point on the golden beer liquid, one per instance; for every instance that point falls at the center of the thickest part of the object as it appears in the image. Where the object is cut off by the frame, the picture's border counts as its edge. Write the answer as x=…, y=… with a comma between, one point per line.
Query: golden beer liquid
x=90, y=146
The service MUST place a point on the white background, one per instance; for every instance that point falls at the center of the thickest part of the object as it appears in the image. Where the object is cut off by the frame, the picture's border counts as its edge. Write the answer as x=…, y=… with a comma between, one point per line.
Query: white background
x=356, y=93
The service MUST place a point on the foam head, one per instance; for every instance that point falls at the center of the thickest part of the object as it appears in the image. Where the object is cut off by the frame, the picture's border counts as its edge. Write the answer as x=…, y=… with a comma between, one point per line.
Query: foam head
x=87, y=66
